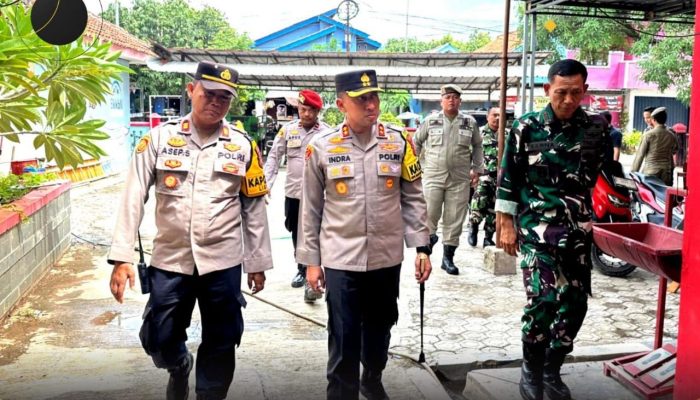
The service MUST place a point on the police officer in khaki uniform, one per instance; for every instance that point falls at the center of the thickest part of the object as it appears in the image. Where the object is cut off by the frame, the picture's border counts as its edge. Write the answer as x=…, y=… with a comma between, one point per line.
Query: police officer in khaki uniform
x=452, y=161
x=211, y=220
x=292, y=140
x=361, y=200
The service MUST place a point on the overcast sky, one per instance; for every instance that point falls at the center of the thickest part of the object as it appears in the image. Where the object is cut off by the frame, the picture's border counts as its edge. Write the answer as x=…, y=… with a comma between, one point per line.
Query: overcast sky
x=382, y=20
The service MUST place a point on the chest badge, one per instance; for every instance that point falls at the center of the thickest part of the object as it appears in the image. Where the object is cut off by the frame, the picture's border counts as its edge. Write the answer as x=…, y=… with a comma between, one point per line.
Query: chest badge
x=232, y=147
x=173, y=163
x=341, y=187
x=389, y=183
x=170, y=181
x=176, y=141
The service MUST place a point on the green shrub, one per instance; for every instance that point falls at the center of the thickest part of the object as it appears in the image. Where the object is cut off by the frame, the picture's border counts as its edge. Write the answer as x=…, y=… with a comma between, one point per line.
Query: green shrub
x=390, y=118
x=13, y=187
x=332, y=116
x=630, y=141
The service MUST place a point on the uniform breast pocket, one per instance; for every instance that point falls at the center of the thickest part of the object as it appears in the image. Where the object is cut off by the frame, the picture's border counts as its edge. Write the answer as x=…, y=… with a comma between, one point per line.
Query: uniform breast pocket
x=435, y=137
x=388, y=174
x=171, y=175
x=341, y=179
x=226, y=177
x=464, y=138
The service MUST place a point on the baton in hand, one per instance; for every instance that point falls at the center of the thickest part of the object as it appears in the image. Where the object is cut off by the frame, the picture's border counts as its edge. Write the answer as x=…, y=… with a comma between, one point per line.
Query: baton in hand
x=421, y=356
x=143, y=270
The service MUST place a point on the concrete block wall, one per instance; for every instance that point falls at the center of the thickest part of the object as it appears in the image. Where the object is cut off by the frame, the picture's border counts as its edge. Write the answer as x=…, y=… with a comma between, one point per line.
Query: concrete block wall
x=28, y=249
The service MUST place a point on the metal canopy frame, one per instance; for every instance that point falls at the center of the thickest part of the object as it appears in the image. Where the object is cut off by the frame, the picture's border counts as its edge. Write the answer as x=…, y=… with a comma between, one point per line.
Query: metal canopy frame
x=678, y=11
x=416, y=72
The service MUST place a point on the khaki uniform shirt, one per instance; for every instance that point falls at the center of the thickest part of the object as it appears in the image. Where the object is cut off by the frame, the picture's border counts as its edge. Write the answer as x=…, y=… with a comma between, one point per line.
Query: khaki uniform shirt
x=360, y=202
x=450, y=148
x=292, y=140
x=656, y=150
x=210, y=212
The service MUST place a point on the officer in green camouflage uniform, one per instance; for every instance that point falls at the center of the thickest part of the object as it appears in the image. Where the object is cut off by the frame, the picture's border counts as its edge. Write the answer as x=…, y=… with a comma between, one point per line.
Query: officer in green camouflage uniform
x=549, y=167
x=482, y=207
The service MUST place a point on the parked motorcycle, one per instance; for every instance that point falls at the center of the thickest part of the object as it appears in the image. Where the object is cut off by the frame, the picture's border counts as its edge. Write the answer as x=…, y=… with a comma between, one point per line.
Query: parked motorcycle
x=611, y=200
x=649, y=203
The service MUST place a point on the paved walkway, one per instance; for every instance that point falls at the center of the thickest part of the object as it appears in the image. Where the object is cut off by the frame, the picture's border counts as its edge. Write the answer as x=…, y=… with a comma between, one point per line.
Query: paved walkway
x=70, y=328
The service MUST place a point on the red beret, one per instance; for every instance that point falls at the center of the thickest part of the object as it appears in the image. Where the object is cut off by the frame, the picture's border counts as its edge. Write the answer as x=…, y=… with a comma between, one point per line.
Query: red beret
x=310, y=98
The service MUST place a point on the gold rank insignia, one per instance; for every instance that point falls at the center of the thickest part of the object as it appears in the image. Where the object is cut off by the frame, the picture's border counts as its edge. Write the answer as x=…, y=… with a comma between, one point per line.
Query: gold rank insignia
x=389, y=183
x=366, y=81
x=346, y=131
x=170, y=181
x=143, y=144
x=176, y=141
x=173, y=163
x=226, y=75
x=231, y=168
x=309, y=152
x=224, y=130
x=185, y=126
x=336, y=140
x=232, y=147
x=339, y=150
x=341, y=187
x=389, y=146
x=380, y=129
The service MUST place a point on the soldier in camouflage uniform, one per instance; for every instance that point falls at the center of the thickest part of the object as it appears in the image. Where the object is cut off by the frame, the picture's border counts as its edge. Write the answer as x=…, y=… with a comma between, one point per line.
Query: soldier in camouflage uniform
x=482, y=207
x=549, y=167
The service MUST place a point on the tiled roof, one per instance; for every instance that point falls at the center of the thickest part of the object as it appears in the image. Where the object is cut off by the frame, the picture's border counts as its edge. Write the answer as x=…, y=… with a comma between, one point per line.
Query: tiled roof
x=108, y=32
x=496, y=45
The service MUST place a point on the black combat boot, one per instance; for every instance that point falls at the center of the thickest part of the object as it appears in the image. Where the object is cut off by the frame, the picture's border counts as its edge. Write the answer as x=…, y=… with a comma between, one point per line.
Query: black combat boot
x=473, y=232
x=448, y=264
x=488, y=239
x=300, y=277
x=433, y=240
x=178, y=385
x=553, y=385
x=371, y=386
x=531, y=387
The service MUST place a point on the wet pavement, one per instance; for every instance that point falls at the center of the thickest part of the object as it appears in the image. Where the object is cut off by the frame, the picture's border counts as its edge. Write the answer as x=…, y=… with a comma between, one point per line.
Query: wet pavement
x=69, y=339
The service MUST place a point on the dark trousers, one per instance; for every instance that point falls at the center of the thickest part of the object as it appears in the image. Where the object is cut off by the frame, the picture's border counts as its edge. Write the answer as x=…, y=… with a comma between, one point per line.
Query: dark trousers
x=168, y=314
x=291, y=221
x=361, y=311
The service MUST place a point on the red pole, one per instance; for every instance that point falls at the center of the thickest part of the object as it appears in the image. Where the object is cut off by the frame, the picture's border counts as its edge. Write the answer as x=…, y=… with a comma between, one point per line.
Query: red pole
x=687, y=383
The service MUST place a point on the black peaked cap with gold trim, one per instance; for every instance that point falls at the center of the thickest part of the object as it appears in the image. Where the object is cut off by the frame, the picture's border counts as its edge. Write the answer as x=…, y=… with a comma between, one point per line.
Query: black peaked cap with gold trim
x=217, y=76
x=357, y=83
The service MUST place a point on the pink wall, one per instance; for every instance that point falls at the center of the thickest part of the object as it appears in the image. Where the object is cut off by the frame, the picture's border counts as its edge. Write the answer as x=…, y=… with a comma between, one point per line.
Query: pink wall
x=616, y=75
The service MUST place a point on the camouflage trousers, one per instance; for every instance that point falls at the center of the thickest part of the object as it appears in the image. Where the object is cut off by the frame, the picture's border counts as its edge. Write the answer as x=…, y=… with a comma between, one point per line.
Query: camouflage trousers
x=557, y=284
x=483, y=203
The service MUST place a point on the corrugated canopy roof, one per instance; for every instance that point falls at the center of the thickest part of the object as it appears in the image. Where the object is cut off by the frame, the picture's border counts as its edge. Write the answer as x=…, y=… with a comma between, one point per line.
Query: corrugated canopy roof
x=418, y=72
x=682, y=11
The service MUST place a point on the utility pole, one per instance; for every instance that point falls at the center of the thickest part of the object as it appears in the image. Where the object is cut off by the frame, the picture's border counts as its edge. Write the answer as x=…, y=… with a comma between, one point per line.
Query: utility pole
x=347, y=10
x=405, y=48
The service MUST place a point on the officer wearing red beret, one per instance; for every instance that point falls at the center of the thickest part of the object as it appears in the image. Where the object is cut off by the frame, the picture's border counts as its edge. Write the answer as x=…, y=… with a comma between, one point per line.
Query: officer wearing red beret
x=292, y=140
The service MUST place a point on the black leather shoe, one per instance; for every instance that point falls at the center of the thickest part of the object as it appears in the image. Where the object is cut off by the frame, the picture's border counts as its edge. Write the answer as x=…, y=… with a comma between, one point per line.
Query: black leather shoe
x=488, y=240
x=531, y=387
x=448, y=260
x=473, y=232
x=300, y=278
x=371, y=386
x=178, y=385
x=554, y=387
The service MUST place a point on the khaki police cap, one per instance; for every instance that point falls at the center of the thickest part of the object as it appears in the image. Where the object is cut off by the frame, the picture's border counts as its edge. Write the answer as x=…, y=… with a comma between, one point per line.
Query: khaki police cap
x=357, y=83
x=217, y=77
x=450, y=88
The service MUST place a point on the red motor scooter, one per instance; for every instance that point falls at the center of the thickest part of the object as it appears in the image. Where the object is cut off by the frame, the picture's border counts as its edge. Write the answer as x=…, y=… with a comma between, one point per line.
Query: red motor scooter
x=611, y=200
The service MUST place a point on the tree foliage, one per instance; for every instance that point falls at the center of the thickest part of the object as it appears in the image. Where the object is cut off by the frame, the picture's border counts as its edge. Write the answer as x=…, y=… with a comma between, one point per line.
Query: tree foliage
x=394, y=101
x=667, y=58
x=414, y=45
x=46, y=89
x=174, y=23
